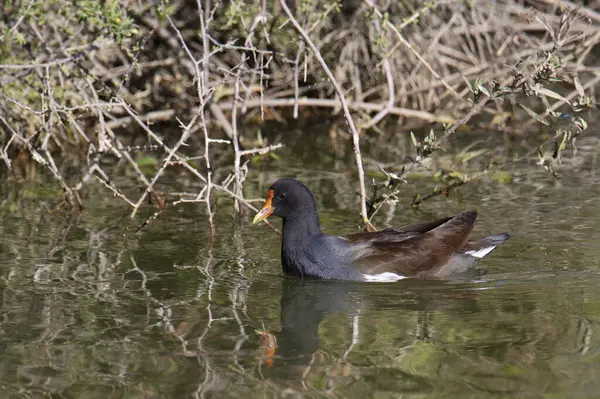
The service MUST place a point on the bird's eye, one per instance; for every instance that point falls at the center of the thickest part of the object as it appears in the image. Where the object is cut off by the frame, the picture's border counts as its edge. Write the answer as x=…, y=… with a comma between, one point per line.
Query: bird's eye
x=282, y=196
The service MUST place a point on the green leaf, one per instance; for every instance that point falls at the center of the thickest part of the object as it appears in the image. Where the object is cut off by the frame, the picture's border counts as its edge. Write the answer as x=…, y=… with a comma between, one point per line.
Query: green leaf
x=485, y=91
x=192, y=163
x=534, y=115
x=414, y=140
x=563, y=143
x=468, y=84
x=552, y=94
x=467, y=156
x=146, y=162
x=502, y=177
x=457, y=175
x=580, y=123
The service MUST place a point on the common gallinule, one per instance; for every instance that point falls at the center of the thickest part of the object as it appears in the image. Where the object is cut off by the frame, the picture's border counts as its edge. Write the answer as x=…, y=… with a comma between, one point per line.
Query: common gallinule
x=438, y=248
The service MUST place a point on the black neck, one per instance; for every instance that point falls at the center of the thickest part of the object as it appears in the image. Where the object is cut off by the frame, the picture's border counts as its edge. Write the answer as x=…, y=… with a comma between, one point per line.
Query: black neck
x=301, y=226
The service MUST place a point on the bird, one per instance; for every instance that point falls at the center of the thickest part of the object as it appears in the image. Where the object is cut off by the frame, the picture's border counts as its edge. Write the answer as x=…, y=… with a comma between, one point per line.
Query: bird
x=436, y=249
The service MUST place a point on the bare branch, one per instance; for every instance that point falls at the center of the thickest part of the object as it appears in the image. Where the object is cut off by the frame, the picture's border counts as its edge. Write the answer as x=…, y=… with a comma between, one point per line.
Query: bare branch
x=341, y=96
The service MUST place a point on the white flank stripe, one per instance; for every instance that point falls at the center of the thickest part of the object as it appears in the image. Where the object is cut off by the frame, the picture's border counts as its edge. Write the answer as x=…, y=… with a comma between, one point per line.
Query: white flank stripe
x=480, y=253
x=383, y=277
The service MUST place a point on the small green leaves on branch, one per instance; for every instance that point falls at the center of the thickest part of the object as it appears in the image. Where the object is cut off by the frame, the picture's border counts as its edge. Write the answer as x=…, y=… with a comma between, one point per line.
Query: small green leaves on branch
x=424, y=148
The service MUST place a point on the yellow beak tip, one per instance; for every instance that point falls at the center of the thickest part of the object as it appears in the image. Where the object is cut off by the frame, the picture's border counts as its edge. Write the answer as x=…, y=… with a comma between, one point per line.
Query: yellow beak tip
x=264, y=213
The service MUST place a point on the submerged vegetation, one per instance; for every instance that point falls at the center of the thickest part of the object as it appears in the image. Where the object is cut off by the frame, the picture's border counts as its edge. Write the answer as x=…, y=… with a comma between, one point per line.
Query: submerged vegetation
x=91, y=91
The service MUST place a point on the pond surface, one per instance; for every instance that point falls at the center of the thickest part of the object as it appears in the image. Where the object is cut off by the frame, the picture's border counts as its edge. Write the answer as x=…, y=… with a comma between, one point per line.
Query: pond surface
x=165, y=313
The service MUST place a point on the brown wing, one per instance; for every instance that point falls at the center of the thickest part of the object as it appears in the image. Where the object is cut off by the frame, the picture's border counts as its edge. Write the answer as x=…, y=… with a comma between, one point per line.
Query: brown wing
x=396, y=234
x=412, y=249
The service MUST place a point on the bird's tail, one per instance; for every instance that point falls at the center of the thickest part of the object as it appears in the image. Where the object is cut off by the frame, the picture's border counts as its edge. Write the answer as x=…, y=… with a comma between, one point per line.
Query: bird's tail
x=484, y=246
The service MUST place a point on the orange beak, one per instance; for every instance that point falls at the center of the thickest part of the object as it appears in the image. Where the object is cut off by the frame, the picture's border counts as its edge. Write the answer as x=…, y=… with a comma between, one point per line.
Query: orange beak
x=268, y=346
x=266, y=210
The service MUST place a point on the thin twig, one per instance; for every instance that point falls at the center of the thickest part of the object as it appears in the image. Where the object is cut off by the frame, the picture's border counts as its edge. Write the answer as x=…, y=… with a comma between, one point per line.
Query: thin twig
x=413, y=50
x=349, y=120
x=354, y=105
x=237, y=187
x=297, y=77
x=37, y=66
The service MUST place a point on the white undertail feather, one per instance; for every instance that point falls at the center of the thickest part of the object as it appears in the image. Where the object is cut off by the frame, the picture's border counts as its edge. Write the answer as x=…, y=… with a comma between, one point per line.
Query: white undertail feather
x=383, y=277
x=480, y=253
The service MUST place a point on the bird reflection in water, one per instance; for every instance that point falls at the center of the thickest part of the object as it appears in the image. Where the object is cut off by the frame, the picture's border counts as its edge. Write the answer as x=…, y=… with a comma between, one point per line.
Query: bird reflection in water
x=305, y=303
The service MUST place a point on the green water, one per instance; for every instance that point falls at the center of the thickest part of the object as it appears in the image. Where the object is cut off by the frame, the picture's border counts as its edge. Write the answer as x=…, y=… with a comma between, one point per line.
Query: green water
x=165, y=313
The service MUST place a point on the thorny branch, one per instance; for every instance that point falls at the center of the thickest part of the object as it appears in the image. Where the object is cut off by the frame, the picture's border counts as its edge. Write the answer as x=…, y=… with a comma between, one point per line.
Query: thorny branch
x=347, y=114
x=114, y=94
